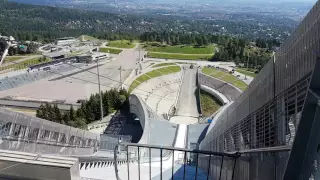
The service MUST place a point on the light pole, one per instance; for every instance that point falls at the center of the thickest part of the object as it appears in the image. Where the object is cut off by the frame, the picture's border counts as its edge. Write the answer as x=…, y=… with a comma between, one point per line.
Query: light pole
x=101, y=106
x=139, y=53
x=245, y=75
x=120, y=76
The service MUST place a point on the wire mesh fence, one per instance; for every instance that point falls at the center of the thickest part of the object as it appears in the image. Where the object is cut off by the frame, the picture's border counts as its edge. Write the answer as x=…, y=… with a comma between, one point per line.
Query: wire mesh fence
x=24, y=133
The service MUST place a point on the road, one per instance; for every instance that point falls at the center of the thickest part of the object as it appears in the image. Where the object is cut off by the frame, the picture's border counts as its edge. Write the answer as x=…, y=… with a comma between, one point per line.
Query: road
x=187, y=99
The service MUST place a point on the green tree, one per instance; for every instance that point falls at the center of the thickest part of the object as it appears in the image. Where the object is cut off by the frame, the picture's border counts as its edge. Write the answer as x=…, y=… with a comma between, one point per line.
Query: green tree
x=66, y=118
x=48, y=112
x=106, y=105
x=205, y=40
x=80, y=123
x=199, y=41
x=41, y=111
x=72, y=114
x=57, y=114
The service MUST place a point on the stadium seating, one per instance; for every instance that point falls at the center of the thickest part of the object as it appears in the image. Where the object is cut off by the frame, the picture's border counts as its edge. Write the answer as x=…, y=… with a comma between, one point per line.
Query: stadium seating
x=21, y=78
x=227, y=89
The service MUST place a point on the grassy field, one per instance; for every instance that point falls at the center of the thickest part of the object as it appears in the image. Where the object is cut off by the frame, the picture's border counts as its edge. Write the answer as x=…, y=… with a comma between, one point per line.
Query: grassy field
x=74, y=53
x=110, y=50
x=182, y=49
x=153, y=74
x=246, y=72
x=179, y=56
x=24, y=64
x=11, y=58
x=225, y=77
x=86, y=38
x=209, y=104
x=163, y=64
x=121, y=44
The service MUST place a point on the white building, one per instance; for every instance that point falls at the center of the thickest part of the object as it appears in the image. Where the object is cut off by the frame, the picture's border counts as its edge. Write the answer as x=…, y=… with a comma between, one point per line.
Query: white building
x=66, y=41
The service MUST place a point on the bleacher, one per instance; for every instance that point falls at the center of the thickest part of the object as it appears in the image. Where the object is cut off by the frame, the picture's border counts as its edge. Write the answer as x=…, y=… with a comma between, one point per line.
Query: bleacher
x=22, y=78
x=227, y=89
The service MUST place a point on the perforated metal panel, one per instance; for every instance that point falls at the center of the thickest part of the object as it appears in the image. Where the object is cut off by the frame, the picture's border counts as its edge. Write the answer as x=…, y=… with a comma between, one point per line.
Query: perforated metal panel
x=268, y=112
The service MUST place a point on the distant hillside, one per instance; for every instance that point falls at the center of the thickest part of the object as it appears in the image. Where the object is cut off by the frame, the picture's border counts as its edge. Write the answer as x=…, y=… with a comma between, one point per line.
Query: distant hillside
x=33, y=20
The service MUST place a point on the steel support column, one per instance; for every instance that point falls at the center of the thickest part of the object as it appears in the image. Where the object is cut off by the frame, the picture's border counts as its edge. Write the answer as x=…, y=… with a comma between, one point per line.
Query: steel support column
x=306, y=145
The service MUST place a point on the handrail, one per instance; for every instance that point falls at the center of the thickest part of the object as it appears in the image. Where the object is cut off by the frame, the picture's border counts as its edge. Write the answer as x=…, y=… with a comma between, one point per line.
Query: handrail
x=233, y=155
x=270, y=149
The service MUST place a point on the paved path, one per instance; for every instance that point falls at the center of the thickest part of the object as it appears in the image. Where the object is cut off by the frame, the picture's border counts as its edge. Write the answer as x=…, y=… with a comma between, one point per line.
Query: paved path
x=242, y=77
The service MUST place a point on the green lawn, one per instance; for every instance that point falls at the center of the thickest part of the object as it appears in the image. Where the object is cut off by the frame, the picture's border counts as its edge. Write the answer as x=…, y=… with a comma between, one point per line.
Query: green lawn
x=87, y=38
x=163, y=64
x=74, y=53
x=110, y=50
x=244, y=71
x=209, y=104
x=121, y=44
x=153, y=74
x=24, y=64
x=11, y=58
x=225, y=77
x=182, y=49
x=179, y=56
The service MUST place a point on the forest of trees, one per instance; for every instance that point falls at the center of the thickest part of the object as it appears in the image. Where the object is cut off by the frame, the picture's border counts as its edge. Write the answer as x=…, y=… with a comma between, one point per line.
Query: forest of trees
x=229, y=48
x=43, y=23
x=89, y=111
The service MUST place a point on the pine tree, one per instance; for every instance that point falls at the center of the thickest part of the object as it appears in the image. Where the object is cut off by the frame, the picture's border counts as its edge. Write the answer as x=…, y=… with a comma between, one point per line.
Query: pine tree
x=66, y=118
x=57, y=114
x=106, y=105
x=72, y=114
x=205, y=40
x=41, y=112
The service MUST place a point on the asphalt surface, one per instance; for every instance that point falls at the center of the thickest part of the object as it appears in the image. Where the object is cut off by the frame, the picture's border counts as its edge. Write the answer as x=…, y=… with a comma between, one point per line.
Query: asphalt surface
x=81, y=84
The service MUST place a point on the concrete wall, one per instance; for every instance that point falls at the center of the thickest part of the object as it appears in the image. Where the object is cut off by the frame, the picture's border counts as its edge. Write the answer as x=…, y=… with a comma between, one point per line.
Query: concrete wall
x=34, y=104
x=139, y=109
x=221, y=97
x=35, y=166
x=230, y=91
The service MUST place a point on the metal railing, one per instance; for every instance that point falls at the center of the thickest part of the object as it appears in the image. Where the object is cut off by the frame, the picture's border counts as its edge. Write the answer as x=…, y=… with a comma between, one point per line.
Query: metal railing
x=263, y=163
x=181, y=166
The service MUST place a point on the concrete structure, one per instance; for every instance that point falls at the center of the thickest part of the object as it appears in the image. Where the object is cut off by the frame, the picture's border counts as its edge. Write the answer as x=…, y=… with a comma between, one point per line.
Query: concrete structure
x=20, y=132
x=49, y=64
x=35, y=104
x=66, y=41
x=164, y=90
x=270, y=131
x=227, y=89
x=20, y=165
x=187, y=100
x=55, y=55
